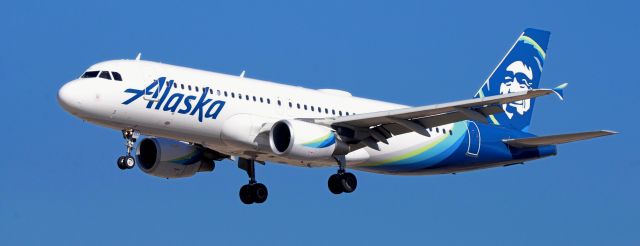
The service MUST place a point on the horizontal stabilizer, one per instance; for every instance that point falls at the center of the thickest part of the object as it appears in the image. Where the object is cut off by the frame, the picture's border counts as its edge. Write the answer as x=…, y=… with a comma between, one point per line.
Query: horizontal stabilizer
x=555, y=139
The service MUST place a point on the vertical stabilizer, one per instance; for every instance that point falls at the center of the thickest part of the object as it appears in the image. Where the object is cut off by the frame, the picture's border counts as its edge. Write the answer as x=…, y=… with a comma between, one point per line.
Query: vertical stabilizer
x=519, y=70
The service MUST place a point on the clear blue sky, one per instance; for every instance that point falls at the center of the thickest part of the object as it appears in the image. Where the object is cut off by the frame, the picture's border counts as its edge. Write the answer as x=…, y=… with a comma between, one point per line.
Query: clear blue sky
x=59, y=184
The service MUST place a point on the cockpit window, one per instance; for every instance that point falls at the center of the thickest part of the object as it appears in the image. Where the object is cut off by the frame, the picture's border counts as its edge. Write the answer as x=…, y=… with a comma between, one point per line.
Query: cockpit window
x=116, y=76
x=90, y=74
x=105, y=75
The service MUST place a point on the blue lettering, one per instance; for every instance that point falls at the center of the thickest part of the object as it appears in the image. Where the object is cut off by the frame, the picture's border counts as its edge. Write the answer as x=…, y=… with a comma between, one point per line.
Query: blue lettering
x=218, y=106
x=178, y=99
x=187, y=103
x=156, y=83
x=201, y=103
x=160, y=92
x=164, y=95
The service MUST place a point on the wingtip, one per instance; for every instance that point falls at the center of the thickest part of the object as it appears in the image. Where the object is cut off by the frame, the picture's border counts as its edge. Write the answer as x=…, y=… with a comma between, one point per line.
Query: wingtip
x=610, y=132
x=559, y=90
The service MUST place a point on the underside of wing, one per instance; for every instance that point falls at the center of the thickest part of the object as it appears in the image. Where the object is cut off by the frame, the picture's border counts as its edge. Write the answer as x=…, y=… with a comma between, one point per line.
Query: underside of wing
x=555, y=139
x=370, y=128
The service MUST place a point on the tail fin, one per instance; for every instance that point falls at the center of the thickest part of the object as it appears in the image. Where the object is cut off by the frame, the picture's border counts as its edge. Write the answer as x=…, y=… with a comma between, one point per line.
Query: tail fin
x=519, y=70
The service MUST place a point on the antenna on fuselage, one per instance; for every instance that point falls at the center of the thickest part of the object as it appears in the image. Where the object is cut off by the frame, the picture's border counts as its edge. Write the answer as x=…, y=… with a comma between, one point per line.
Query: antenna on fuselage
x=242, y=74
x=138, y=56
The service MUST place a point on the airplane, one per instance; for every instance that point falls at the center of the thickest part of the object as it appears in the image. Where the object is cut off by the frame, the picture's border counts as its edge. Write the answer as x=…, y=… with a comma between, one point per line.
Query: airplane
x=194, y=118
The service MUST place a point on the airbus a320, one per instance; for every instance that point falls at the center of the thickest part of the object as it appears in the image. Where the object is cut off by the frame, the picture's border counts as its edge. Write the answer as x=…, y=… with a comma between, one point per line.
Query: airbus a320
x=194, y=118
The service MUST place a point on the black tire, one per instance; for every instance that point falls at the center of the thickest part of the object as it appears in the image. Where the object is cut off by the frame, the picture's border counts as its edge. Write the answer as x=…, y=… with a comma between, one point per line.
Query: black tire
x=129, y=162
x=260, y=193
x=246, y=194
x=334, y=184
x=121, y=163
x=349, y=182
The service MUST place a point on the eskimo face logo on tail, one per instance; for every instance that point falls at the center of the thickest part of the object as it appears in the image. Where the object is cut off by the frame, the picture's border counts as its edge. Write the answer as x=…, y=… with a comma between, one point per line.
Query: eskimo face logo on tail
x=160, y=98
x=518, y=77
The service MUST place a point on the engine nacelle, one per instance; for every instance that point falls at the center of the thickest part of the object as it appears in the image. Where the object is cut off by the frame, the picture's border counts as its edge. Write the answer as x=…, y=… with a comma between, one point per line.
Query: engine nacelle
x=305, y=141
x=173, y=159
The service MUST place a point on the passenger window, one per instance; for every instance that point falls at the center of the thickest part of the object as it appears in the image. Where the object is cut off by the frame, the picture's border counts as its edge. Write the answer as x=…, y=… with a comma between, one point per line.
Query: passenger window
x=233, y=95
x=305, y=107
x=290, y=105
x=225, y=94
x=268, y=101
x=175, y=86
x=333, y=111
x=189, y=87
x=261, y=100
x=196, y=89
x=211, y=91
x=313, y=108
x=437, y=130
x=279, y=103
x=326, y=111
x=116, y=76
x=254, y=98
x=218, y=92
x=347, y=113
x=297, y=104
x=340, y=112
x=450, y=132
x=90, y=74
x=239, y=96
x=105, y=75
x=182, y=86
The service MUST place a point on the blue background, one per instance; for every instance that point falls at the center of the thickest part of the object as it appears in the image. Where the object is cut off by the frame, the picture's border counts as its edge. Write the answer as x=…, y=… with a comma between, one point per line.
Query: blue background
x=59, y=183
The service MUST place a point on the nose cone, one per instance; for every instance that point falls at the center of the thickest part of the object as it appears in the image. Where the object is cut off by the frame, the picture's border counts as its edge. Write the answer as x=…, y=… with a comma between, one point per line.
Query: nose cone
x=68, y=97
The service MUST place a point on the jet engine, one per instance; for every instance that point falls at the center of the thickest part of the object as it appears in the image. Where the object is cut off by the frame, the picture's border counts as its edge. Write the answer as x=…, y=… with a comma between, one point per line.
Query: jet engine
x=305, y=141
x=168, y=158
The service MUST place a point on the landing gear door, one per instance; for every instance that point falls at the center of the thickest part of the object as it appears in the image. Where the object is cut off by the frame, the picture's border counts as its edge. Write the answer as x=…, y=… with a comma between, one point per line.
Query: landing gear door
x=473, y=134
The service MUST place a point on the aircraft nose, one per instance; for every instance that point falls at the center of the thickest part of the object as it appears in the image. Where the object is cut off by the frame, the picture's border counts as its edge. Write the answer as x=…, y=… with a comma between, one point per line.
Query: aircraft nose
x=67, y=97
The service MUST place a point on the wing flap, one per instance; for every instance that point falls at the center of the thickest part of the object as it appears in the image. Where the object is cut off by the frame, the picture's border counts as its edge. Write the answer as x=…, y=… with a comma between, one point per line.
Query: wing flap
x=555, y=139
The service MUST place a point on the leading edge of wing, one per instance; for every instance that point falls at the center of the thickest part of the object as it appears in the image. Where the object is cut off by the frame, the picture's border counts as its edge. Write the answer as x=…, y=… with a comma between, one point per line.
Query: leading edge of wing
x=382, y=117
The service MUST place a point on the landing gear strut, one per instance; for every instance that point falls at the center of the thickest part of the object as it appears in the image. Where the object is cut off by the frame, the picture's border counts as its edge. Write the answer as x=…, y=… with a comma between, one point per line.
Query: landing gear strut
x=342, y=181
x=127, y=161
x=253, y=192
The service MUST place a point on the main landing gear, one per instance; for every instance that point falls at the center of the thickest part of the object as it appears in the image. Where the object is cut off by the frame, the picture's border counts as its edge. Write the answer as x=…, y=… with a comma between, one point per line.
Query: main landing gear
x=128, y=161
x=253, y=192
x=342, y=181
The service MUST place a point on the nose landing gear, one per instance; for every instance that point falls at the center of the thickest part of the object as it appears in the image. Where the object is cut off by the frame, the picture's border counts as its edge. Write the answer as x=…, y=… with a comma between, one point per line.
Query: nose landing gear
x=128, y=161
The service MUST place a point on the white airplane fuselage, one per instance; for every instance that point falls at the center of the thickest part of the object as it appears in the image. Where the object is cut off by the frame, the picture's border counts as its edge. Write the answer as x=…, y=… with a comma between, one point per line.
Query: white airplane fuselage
x=243, y=108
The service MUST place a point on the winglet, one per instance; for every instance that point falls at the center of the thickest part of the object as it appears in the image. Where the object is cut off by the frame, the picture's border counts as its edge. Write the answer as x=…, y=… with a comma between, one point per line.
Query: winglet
x=559, y=90
x=138, y=56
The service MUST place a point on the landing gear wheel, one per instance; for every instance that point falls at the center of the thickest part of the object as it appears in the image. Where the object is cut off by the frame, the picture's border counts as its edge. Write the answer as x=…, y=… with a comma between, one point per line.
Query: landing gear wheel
x=342, y=182
x=253, y=193
x=129, y=162
x=348, y=182
x=121, y=163
x=260, y=193
x=334, y=184
x=246, y=194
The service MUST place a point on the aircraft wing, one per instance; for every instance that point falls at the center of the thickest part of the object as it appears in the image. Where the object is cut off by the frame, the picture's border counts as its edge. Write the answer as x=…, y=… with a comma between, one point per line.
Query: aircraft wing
x=555, y=139
x=379, y=126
